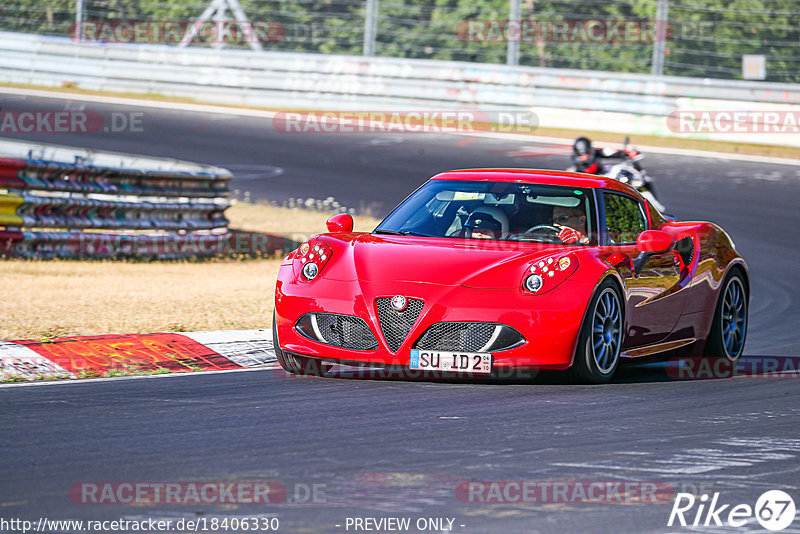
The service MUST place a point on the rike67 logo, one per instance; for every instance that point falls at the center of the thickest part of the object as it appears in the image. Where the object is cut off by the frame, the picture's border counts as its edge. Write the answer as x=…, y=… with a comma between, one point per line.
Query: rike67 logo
x=774, y=510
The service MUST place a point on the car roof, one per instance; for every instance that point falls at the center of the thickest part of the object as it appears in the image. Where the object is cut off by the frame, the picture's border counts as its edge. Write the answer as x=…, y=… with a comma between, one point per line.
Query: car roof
x=537, y=176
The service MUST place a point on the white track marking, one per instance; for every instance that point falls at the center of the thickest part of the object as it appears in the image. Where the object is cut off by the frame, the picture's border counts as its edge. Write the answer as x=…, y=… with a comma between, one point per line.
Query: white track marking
x=132, y=377
x=744, y=452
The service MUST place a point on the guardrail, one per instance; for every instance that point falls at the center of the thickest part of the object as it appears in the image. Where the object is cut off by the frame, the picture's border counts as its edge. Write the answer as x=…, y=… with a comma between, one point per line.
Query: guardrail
x=617, y=102
x=156, y=208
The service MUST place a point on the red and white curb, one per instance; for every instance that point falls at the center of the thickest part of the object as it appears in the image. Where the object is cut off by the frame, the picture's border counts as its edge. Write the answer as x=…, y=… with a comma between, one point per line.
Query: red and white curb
x=115, y=354
x=247, y=348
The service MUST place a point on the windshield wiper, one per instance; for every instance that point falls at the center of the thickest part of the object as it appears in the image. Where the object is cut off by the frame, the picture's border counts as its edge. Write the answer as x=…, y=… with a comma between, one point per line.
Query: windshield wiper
x=387, y=232
x=394, y=232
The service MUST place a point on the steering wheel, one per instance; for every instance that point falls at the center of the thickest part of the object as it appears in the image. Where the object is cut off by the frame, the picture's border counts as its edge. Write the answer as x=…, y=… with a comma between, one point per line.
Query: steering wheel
x=542, y=227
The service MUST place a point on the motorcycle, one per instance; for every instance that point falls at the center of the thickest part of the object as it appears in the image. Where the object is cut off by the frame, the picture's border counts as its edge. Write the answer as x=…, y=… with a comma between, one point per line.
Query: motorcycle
x=628, y=171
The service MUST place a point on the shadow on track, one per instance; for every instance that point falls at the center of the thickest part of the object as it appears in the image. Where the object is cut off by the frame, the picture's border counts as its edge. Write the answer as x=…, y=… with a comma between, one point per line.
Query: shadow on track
x=672, y=370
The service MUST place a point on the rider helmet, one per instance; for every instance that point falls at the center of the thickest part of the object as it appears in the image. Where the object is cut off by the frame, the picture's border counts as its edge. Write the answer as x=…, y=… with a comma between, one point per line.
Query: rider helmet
x=583, y=150
x=582, y=146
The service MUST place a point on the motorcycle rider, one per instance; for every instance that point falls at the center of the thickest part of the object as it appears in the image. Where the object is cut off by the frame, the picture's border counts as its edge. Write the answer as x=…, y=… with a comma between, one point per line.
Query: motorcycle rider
x=587, y=159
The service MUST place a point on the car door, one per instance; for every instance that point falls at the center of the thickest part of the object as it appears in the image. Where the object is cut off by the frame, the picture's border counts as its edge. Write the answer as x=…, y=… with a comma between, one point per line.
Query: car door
x=652, y=306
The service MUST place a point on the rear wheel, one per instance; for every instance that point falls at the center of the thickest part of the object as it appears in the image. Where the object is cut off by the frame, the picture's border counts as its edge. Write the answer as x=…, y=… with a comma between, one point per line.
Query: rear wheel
x=600, y=338
x=729, y=328
x=292, y=363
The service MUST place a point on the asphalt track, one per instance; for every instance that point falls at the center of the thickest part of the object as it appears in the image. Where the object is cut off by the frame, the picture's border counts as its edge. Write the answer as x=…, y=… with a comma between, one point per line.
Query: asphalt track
x=399, y=448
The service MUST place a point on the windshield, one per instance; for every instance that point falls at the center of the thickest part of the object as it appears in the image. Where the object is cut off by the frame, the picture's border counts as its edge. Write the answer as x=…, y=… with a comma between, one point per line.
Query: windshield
x=499, y=211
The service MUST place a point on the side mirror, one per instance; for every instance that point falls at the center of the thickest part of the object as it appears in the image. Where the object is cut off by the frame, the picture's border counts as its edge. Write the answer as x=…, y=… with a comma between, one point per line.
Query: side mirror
x=651, y=243
x=655, y=242
x=342, y=222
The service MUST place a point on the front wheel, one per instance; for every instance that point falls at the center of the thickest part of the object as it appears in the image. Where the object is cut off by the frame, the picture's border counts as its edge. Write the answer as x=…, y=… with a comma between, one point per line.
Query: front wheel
x=292, y=363
x=729, y=328
x=600, y=338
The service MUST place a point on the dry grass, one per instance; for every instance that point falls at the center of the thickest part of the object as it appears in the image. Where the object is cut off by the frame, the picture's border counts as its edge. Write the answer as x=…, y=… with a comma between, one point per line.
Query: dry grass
x=262, y=217
x=64, y=298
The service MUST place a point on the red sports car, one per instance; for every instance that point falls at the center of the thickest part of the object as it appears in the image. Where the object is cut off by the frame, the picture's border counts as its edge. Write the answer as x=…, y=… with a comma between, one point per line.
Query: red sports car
x=488, y=270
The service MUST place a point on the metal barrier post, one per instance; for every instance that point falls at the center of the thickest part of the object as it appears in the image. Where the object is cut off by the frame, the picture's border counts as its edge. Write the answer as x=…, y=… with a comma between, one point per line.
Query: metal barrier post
x=370, y=27
x=78, y=19
x=514, y=20
x=659, y=47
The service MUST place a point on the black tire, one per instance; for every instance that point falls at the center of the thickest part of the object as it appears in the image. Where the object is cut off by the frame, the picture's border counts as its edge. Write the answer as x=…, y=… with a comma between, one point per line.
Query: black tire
x=600, y=338
x=292, y=363
x=729, y=327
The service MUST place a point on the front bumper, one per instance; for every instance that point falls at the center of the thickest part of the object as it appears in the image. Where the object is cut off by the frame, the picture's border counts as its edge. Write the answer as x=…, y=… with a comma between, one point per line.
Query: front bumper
x=549, y=323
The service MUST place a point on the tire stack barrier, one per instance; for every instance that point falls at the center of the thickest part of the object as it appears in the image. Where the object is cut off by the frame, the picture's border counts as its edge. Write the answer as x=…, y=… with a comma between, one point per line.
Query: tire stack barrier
x=57, y=202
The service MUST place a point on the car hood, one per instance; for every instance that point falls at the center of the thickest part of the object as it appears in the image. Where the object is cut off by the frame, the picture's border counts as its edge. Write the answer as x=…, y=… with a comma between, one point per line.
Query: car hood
x=441, y=261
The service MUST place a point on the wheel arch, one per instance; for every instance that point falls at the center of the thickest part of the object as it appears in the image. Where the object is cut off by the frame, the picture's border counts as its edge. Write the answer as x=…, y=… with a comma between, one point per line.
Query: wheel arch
x=741, y=268
x=615, y=278
x=735, y=267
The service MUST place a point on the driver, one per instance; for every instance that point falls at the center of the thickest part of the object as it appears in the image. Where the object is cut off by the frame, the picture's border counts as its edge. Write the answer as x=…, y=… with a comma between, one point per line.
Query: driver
x=486, y=222
x=572, y=224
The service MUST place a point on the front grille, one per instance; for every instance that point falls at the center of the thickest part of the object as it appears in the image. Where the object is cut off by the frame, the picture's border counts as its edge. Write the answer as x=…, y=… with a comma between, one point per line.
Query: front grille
x=396, y=325
x=467, y=337
x=341, y=331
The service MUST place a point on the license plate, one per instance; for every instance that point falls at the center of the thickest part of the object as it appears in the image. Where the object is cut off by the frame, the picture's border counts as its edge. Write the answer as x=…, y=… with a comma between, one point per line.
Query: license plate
x=452, y=362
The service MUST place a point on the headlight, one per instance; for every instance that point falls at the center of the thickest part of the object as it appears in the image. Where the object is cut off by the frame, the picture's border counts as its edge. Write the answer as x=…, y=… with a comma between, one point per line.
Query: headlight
x=546, y=274
x=310, y=270
x=311, y=257
x=533, y=283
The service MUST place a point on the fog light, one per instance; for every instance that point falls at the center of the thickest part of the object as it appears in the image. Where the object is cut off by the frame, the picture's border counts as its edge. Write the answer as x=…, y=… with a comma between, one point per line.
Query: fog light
x=310, y=270
x=533, y=283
